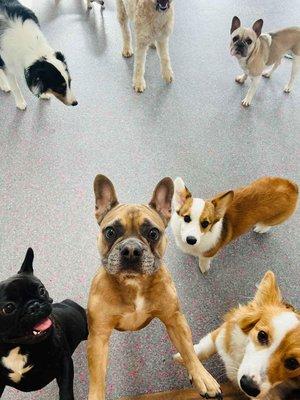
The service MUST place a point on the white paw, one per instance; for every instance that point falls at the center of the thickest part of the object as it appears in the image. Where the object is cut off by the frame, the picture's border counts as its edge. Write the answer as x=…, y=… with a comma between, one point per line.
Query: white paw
x=246, y=102
x=168, y=76
x=5, y=87
x=139, y=85
x=240, y=79
x=177, y=358
x=45, y=96
x=21, y=105
x=204, y=266
x=287, y=89
x=260, y=228
x=127, y=52
x=266, y=75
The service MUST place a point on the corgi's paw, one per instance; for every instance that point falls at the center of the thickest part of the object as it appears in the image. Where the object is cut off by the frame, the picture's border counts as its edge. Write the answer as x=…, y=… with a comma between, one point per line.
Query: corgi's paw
x=139, y=85
x=204, y=265
x=261, y=228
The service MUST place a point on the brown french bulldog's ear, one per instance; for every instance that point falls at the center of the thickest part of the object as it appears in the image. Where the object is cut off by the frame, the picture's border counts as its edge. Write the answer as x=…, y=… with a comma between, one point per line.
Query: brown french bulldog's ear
x=257, y=26
x=105, y=196
x=221, y=204
x=162, y=199
x=235, y=24
x=27, y=267
x=268, y=291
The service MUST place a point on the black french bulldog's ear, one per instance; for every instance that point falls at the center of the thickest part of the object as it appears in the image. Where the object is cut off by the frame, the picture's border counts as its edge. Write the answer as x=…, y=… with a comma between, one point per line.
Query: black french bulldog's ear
x=26, y=267
x=257, y=26
x=162, y=198
x=235, y=24
x=105, y=196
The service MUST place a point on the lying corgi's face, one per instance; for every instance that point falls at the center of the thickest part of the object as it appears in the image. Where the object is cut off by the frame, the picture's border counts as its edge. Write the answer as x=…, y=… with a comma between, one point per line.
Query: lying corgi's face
x=272, y=354
x=197, y=216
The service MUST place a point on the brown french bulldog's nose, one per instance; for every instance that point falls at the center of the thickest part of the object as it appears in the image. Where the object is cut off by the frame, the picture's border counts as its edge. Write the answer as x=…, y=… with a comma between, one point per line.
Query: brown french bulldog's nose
x=34, y=307
x=131, y=252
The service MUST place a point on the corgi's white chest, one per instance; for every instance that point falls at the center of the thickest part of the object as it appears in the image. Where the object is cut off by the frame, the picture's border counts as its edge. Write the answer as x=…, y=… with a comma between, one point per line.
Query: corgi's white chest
x=16, y=362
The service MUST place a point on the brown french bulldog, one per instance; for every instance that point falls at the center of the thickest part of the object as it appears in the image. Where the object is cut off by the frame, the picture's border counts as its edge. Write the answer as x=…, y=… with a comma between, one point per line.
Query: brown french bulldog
x=134, y=286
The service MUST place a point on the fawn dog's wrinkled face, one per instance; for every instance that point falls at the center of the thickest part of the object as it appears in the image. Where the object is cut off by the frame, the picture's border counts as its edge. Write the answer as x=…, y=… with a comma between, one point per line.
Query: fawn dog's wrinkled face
x=132, y=238
x=272, y=354
x=243, y=39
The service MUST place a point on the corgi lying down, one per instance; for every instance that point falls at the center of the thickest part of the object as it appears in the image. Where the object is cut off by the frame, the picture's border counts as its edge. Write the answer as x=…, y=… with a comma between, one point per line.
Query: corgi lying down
x=259, y=344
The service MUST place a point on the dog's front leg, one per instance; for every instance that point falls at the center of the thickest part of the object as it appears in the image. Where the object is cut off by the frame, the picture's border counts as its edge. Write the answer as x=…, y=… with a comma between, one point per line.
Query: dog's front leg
x=204, y=264
x=97, y=348
x=165, y=63
x=4, y=86
x=251, y=92
x=181, y=337
x=19, y=99
x=124, y=24
x=65, y=378
x=139, y=83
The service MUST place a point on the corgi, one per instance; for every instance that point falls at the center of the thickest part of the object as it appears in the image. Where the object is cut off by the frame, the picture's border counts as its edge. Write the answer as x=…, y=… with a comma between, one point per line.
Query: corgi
x=202, y=227
x=259, y=344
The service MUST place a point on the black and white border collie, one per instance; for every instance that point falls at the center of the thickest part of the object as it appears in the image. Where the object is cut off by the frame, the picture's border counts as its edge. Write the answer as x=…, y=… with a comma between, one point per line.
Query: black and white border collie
x=25, y=50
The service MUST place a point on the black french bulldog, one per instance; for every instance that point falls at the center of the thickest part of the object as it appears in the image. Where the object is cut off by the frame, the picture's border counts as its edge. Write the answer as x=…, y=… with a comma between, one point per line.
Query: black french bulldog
x=37, y=339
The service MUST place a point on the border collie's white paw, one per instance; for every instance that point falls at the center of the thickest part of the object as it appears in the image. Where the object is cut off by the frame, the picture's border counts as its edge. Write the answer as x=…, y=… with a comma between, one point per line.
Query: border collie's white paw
x=4, y=86
x=261, y=228
x=139, y=85
x=45, y=96
x=21, y=105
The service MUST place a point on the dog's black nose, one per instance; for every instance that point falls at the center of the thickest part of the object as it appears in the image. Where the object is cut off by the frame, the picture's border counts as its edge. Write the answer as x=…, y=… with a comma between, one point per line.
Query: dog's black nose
x=34, y=307
x=75, y=103
x=191, y=240
x=249, y=386
x=131, y=252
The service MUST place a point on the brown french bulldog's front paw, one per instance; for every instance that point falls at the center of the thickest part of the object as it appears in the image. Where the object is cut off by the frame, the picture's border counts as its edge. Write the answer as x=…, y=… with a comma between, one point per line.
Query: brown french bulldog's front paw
x=139, y=85
x=206, y=385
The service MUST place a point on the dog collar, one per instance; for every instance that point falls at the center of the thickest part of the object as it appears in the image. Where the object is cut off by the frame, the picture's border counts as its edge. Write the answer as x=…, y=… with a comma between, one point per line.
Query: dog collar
x=162, y=5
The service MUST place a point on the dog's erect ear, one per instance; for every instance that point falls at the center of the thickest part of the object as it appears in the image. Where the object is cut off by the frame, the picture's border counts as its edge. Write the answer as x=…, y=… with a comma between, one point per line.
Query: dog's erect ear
x=162, y=199
x=235, y=24
x=181, y=194
x=268, y=291
x=221, y=204
x=257, y=26
x=105, y=196
x=26, y=267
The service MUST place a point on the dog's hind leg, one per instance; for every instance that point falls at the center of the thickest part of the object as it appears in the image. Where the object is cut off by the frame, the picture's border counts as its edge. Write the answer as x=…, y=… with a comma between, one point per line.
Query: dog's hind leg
x=165, y=63
x=4, y=85
x=269, y=73
x=295, y=71
x=19, y=99
x=124, y=24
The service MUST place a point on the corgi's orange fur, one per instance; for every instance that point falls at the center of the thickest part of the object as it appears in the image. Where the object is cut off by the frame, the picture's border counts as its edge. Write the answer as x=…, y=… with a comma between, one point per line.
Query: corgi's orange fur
x=259, y=342
x=203, y=227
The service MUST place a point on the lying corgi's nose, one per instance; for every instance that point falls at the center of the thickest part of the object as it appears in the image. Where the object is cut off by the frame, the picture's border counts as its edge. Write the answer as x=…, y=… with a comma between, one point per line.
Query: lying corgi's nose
x=249, y=386
x=191, y=240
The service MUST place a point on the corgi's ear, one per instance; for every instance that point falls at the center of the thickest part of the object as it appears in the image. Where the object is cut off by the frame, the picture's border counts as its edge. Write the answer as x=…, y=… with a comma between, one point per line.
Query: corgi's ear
x=248, y=316
x=268, y=291
x=181, y=194
x=221, y=204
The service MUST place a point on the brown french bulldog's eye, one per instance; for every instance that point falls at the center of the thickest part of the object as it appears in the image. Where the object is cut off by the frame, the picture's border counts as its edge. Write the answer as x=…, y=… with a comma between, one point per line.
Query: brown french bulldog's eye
x=110, y=233
x=187, y=219
x=204, y=224
x=8, y=308
x=291, y=364
x=248, y=41
x=235, y=39
x=153, y=234
x=262, y=337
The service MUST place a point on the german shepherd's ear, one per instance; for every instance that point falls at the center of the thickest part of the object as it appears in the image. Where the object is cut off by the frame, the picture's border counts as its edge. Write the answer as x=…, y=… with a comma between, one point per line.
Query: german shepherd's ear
x=105, y=196
x=181, y=194
x=248, y=316
x=27, y=267
x=268, y=291
x=162, y=199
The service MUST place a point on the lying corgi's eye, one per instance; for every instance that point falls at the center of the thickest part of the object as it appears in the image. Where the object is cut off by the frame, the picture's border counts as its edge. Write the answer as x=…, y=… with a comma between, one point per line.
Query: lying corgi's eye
x=248, y=41
x=110, y=233
x=204, y=224
x=291, y=363
x=235, y=38
x=262, y=337
x=8, y=308
x=187, y=219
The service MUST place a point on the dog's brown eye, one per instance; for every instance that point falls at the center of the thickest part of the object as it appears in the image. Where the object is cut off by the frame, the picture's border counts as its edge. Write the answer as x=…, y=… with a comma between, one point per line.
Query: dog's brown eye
x=235, y=38
x=248, y=41
x=153, y=234
x=8, y=308
x=204, y=224
x=187, y=219
x=110, y=233
x=291, y=363
x=42, y=291
x=262, y=337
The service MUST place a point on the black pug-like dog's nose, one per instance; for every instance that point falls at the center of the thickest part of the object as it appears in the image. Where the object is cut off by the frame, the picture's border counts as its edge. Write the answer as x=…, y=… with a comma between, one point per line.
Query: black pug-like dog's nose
x=33, y=307
x=131, y=252
x=249, y=386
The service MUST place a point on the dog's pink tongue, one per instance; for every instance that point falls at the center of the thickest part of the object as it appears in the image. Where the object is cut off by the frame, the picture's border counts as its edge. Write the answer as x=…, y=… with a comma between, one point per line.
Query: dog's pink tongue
x=43, y=325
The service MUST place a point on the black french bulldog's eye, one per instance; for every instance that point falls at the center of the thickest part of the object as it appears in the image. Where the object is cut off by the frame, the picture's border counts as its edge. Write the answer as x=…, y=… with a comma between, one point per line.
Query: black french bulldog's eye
x=263, y=337
x=235, y=39
x=248, y=41
x=42, y=291
x=8, y=308
x=110, y=233
x=187, y=219
x=153, y=234
x=204, y=224
x=291, y=364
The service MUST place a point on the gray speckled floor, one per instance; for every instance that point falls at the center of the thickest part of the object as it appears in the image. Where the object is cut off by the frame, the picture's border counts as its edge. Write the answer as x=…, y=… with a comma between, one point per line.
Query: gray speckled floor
x=195, y=128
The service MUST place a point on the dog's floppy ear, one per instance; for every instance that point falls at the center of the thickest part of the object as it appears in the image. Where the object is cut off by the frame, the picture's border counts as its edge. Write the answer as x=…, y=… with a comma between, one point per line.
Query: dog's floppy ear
x=221, y=204
x=162, y=199
x=235, y=24
x=26, y=267
x=181, y=193
x=268, y=291
x=105, y=196
x=257, y=26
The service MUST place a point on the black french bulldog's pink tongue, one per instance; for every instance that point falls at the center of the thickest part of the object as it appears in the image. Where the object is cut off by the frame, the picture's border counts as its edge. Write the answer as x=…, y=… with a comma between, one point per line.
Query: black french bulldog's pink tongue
x=43, y=325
